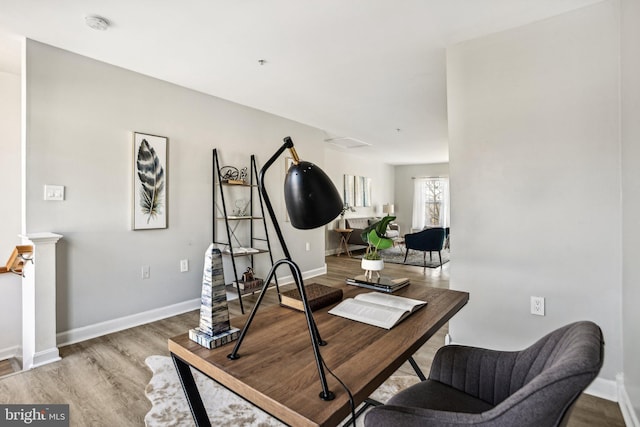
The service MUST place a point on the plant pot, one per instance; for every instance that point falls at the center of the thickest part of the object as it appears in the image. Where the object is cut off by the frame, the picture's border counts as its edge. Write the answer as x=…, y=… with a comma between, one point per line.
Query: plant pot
x=371, y=265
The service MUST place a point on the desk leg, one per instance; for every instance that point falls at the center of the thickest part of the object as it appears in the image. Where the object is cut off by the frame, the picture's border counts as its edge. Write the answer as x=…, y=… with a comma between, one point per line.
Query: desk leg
x=416, y=368
x=367, y=404
x=191, y=392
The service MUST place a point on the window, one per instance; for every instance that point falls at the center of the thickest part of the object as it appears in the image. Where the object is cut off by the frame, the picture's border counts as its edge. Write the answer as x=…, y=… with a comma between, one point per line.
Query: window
x=430, y=202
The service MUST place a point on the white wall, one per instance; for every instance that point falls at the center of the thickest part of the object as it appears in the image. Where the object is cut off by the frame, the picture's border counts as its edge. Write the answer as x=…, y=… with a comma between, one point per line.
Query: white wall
x=10, y=209
x=535, y=180
x=81, y=117
x=339, y=162
x=404, y=189
x=630, y=90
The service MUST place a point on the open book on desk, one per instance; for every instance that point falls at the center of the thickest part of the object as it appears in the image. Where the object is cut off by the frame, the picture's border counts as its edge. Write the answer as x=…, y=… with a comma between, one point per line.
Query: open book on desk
x=374, y=308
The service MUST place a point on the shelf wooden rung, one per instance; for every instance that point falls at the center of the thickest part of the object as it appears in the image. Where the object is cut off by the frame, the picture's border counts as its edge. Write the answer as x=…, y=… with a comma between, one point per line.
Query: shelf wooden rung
x=16, y=260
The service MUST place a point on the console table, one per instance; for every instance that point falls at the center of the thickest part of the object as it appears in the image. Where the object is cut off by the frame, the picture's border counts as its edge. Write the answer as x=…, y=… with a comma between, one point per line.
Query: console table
x=344, y=239
x=277, y=372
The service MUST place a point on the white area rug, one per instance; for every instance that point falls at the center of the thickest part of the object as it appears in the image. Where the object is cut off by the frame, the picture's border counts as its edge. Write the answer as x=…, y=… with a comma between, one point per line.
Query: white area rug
x=224, y=408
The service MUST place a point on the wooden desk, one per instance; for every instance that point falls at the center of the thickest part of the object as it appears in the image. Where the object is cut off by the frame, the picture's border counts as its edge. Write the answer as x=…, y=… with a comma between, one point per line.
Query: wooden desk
x=277, y=371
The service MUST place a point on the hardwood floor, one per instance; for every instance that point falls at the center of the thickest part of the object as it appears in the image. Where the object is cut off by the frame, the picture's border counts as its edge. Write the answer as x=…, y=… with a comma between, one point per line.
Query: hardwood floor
x=103, y=379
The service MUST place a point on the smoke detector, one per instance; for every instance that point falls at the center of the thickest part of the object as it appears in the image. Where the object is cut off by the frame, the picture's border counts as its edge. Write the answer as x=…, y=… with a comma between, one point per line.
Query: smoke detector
x=97, y=23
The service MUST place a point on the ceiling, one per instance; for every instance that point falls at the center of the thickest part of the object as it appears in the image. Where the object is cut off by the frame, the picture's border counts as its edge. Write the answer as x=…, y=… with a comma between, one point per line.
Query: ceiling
x=370, y=71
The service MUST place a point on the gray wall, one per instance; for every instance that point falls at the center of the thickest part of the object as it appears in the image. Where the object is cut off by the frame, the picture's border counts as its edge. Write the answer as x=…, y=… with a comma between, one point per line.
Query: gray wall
x=404, y=189
x=535, y=180
x=630, y=91
x=81, y=117
x=356, y=162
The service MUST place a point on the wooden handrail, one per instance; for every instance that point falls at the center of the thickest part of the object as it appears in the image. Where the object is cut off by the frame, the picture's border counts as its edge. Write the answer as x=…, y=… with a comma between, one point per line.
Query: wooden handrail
x=17, y=259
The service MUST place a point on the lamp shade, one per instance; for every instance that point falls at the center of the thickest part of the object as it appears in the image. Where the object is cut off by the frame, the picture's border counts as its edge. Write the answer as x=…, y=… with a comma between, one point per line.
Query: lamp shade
x=388, y=208
x=311, y=198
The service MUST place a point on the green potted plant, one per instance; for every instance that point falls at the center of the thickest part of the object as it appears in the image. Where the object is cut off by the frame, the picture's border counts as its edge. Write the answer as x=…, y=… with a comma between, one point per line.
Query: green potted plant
x=375, y=236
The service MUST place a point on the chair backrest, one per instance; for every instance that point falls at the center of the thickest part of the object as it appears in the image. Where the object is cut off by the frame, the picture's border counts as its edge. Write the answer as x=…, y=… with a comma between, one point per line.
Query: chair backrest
x=430, y=239
x=542, y=382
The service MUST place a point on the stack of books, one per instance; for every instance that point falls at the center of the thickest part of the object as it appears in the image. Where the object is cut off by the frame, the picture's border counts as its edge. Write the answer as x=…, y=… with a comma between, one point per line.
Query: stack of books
x=318, y=296
x=382, y=284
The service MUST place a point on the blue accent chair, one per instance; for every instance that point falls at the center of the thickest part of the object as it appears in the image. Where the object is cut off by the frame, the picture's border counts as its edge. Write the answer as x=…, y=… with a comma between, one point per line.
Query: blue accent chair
x=428, y=240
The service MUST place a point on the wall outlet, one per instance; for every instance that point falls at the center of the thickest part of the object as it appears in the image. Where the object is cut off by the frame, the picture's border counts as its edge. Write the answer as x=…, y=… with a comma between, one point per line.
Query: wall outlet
x=307, y=246
x=146, y=272
x=537, y=306
x=184, y=265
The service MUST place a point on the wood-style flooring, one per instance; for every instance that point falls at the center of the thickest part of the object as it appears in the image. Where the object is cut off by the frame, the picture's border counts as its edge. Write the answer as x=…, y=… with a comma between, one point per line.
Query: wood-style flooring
x=103, y=379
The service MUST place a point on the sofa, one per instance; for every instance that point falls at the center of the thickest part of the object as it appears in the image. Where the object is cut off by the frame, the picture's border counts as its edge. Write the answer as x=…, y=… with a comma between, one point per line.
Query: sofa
x=359, y=224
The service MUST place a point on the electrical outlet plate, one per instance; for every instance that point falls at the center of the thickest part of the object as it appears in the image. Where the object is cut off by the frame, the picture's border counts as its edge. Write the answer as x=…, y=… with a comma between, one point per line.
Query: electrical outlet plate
x=537, y=306
x=184, y=265
x=146, y=272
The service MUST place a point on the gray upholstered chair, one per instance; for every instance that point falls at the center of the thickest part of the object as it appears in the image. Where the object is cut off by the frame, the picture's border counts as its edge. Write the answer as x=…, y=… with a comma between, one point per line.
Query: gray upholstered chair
x=477, y=387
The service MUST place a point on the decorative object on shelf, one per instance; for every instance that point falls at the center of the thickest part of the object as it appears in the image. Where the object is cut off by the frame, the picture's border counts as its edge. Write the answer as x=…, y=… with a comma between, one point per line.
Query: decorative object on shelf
x=229, y=172
x=231, y=175
x=149, y=181
x=214, y=329
x=249, y=282
x=312, y=201
x=376, y=239
x=241, y=206
x=318, y=296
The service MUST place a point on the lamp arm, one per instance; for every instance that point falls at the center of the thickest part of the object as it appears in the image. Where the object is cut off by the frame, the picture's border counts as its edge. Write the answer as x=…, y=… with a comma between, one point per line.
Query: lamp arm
x=288, y=144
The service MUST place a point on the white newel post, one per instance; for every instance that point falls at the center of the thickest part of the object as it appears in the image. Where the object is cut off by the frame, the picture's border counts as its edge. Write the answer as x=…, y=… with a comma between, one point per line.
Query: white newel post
x=39, y=345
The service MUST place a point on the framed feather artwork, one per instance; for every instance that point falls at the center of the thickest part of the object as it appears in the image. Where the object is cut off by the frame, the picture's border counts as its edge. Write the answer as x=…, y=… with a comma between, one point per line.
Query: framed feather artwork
x=149, y=181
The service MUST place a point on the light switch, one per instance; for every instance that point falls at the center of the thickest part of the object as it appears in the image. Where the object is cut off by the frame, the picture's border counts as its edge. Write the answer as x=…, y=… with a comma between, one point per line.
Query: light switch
x=54, y=192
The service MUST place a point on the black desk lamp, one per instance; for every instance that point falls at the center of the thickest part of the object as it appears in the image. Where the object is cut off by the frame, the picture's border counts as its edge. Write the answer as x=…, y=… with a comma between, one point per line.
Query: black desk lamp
x=312, y=201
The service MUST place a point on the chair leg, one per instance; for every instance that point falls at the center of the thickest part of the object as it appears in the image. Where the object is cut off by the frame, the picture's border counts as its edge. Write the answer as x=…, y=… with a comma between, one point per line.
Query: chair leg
x=406, y=252
x=440, y=256
x=424, y=258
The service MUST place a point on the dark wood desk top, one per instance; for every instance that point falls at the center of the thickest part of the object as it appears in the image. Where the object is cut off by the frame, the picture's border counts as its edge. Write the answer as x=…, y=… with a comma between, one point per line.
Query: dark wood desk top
x=277, y=370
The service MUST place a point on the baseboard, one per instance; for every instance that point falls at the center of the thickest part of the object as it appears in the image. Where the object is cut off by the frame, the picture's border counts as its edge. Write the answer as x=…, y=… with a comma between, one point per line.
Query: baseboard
x=103, y=328
x=45, y=357
x=285, y=280
x=110, y=326
x=604, y=389
x=9, y=352
x=628, y=412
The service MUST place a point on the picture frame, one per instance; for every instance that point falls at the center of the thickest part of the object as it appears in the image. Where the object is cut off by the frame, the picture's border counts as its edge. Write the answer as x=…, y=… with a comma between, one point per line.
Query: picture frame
x=349, y=190
x=150, y=171
x=367, y=192
x=359, y=191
